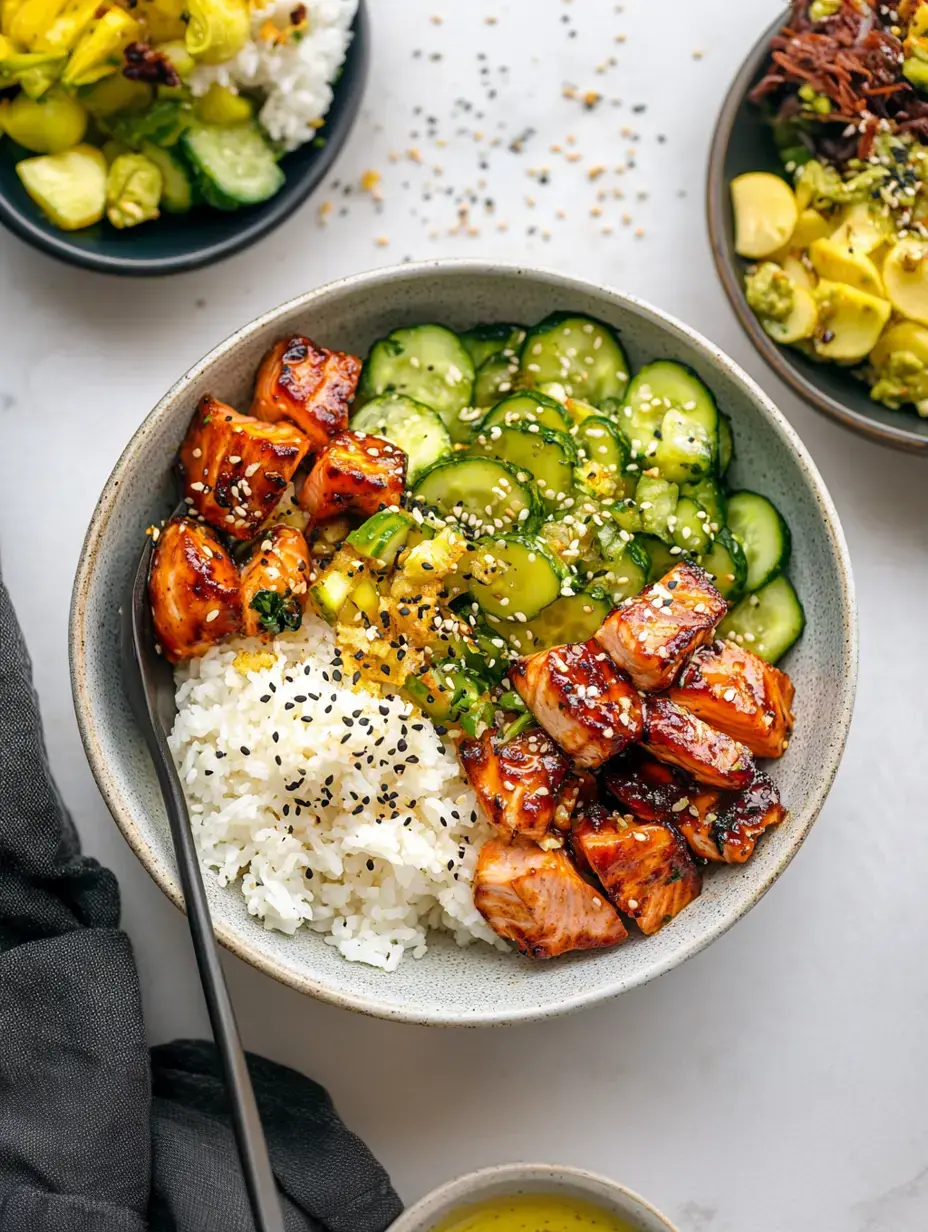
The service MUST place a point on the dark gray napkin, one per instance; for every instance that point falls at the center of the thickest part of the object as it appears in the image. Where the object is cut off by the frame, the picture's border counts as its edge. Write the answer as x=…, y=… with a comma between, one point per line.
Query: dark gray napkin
x=96, y=1135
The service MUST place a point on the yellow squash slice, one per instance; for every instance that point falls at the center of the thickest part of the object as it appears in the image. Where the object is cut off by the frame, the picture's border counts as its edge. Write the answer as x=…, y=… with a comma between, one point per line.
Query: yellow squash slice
x=850, y=321
x=905, y=271
x=765, y=214
x=842, y=264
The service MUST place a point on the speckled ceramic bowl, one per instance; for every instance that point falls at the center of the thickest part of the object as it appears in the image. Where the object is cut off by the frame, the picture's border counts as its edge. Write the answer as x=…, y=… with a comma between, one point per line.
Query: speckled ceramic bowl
x=509, y=1180
x=477, y=985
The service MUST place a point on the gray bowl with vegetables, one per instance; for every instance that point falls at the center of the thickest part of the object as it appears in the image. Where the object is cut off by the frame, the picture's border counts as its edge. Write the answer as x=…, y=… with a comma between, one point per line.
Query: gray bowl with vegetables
x=518, y=474
x=167, y=137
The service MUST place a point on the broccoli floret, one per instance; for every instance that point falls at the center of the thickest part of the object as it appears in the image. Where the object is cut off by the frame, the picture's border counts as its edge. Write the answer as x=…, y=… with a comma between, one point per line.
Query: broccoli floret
x=770, y=292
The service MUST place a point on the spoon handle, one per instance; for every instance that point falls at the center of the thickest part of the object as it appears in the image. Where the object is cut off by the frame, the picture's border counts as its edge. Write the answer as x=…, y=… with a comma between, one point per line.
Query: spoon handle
x=249, y=1134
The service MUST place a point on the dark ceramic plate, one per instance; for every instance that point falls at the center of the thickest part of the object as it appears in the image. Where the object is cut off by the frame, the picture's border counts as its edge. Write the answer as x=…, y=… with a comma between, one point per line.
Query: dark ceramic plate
x=743, y=142
x=202, y=237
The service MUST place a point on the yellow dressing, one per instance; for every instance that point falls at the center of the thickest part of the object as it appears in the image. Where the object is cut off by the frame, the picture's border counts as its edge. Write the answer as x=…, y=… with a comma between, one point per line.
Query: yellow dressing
x=534, y=1213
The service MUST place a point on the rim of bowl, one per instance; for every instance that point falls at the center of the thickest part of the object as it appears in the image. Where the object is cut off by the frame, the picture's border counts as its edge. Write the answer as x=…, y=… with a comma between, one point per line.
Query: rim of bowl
x=469, y=1186
x=897, y=437
x=227, y=935
x=62, y=248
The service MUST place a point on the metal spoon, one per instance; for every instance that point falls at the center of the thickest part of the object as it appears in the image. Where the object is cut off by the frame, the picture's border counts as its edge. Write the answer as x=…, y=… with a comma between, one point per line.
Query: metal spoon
x=150, y=688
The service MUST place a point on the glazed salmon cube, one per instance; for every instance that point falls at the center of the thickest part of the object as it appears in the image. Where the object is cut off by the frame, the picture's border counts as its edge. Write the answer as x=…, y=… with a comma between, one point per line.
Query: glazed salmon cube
x=193, y=587
x=580, y=697
x=724, y=826
x=518, y=782
x=539, y=901
x=355, y=473
x=741, y=695
x=676, y=736
x=647, y=788
x=652, y=636
x=235, y=468
x=644, y=867
x=275, y=583
x=308, y=386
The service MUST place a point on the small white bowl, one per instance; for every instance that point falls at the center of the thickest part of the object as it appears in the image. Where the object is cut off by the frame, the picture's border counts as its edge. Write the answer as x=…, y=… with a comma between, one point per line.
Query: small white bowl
x=509, y=1180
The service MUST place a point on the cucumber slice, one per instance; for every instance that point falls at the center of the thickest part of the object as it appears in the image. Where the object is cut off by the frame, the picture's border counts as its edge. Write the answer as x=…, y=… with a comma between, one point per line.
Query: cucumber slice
x=571, y=618
x=520, y=577
x=627, y=515
x=426, y=363
x=627, y=573
x=382, y=536
x=661, y=557
x=550, y=457
x=580, y=354
x=691, y=526
x=528, y=407
x=485, y=340
x=763, y=534
x=710, y=495
x=661, y=387
x=684, y=449
x=767, y=622
x=726, y=564
x=233, y=164
x=726, y=443
x=496, y=377
x=176, y=188
x=604, y=454
x=657, y=503
x=412, y=426
x=483, y=493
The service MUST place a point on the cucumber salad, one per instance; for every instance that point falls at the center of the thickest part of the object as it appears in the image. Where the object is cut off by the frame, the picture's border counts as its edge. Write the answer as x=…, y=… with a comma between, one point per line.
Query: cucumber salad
x=581, y=481
x=128, y=109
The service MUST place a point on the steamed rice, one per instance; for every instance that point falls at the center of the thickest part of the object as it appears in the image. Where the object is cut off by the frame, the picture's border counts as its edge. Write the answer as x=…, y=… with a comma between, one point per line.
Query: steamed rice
x=294, y=77
x=338, y=809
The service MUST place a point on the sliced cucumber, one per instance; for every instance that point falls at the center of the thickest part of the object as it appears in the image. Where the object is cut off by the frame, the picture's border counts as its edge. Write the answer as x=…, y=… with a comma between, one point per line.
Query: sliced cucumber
x=527, y=407
x=604, y=454
x=627, y=515
x=496, y=377
x=580, y=354
x=498, y=338
x=763, y=534
x=627, y=573
x=726, y=564
x=176, y=188
x=412, y=426
x=661, y=557
x=426, y=363
x=382, y=536
x=657, y=502
x=571, y=618
x=661, y=387
x=710, y=495
x=691, y=526
x=550, y=457
x=685, y=450
x=726, y=443
x=483, y=493
x=233, y=164
x=767, y=622
x=513, y=576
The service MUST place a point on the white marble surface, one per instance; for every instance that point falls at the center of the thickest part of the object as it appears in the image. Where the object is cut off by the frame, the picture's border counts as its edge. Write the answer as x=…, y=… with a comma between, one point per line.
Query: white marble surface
x=778, y=1082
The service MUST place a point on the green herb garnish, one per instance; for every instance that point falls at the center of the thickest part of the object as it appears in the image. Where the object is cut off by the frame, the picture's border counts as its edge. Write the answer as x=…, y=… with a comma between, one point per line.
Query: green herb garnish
x=277, y=612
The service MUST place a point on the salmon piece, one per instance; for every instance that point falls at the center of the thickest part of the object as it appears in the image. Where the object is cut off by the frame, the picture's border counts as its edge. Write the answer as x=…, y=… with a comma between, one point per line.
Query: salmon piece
x=539, y=901
x=579, y=696
x=725, y=827
x=518, y=782
x=644, y=867
x=235, y=468
x=739, y=694
x=649, y=789
x=355, y=473
x=275, y=583
x=307, y=385
x=652, y=636
x=676, y=736
x=193, y=587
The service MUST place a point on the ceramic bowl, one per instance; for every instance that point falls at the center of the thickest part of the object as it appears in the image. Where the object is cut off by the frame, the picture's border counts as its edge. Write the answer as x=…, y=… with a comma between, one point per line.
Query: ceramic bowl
x=743, y=142
x=452, y=986
x=179, y=242
x=509, y=1180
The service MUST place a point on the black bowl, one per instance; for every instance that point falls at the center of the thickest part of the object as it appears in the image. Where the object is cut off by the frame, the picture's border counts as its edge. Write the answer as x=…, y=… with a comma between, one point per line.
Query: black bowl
x=179, y=242
x=743, y=142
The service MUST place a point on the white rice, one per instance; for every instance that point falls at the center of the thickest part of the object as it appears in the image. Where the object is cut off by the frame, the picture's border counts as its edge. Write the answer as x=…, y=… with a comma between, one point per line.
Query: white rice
x=340, y=862
x=293, y=77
